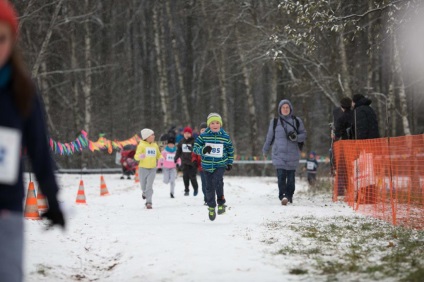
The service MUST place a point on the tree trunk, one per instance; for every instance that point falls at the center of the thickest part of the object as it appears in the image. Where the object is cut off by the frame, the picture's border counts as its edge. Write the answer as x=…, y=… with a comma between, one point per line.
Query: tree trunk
x=274, y=91
x=180, y=76
x=46, y=41
x=249, y=95
x=160, y=64
x=87, y=85
x=402, y=94
x=345, y=69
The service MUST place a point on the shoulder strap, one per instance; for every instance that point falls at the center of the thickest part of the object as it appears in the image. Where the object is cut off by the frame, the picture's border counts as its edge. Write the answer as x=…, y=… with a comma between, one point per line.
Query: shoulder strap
x=297, y=123
x=273, y=130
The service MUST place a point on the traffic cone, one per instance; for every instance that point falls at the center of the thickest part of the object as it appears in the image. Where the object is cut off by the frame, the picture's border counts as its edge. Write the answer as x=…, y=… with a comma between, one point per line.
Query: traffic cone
x=136, y=178
x=41, y=201
x=103, y=188
x=81, y=194
x=31, y=207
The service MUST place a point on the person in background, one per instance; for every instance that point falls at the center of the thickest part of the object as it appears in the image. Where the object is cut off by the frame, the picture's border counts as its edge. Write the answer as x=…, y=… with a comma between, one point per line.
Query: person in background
x=365, y=122
x=343, y=130
x=184, y=150
x=217, y=152
x=198, y=161
x=311, y=167
x=22, y=125
x=179, y=136
x=287, y=133
x=147, y=154
x=168, y=165
x=343, y=124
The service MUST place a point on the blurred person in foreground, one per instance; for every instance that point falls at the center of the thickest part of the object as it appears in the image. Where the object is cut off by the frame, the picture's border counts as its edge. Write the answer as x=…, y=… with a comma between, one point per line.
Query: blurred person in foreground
x=21, y=126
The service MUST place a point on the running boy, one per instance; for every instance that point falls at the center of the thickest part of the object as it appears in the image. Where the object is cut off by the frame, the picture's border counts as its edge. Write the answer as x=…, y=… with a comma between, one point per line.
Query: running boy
x=169, y=167
x=312, y=166
x=147, y=154
x=184, y=150
x=217, y=152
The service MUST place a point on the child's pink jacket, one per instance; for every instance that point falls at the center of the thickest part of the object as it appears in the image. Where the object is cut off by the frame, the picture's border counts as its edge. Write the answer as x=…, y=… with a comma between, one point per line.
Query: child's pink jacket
x=167, y=160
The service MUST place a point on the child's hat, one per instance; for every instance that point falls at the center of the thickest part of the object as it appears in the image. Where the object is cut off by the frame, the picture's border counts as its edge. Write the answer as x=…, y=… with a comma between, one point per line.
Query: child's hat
x=8, y=15
x=171, y=140
x=146, y=133
x=203, y=125
x=188, y=129
x=214, y=117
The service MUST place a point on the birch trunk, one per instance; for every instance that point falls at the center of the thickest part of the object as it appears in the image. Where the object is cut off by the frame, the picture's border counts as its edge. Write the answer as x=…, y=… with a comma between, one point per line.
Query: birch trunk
x=75, y=86
x=159, y=38
x=249, y=95
x=87, y=85
x=180, y=76
x=274, y=92
x=42, y=80
x=345, y=69
x=402, y=94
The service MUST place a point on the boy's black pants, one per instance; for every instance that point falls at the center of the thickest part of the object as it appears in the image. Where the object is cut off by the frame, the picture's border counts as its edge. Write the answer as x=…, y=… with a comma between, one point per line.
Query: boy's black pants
x=215, y=185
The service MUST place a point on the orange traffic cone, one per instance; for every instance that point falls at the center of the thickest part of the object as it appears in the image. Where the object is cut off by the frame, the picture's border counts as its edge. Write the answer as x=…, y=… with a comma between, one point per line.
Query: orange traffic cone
x=41, y=201
x=81, y=194
x=31, y=208
x=136, y=178
x=103, y=188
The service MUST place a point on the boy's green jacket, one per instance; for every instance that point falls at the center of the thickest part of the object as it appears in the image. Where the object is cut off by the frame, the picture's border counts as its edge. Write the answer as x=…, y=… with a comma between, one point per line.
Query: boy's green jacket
x=222, y=149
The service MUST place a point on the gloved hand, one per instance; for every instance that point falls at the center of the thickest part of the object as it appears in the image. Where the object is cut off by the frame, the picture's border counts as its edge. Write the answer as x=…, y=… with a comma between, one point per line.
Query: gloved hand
x=229, y=167
x=55, y=217
x=207, y=150
x=190, y=148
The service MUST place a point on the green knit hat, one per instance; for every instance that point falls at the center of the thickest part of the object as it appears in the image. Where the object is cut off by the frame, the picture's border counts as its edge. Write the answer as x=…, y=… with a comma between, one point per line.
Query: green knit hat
x=214, y=117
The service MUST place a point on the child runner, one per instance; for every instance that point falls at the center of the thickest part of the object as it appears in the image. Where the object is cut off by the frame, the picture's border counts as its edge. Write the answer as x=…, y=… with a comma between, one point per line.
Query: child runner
x=184, y=150
x=147, y=154
x=198, y=160
x=312, y=166
x=169, y=168
x=217, y=152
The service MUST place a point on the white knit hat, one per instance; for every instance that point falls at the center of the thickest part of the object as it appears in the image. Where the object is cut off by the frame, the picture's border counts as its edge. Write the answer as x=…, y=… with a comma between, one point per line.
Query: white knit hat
x=146, y=133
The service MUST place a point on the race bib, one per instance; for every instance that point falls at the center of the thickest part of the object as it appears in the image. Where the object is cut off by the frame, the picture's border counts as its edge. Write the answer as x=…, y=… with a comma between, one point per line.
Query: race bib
x=310, y=165
x=170, y=157
x=217, y=150
x=150, y=152
x=187, y=148
x=10, y=144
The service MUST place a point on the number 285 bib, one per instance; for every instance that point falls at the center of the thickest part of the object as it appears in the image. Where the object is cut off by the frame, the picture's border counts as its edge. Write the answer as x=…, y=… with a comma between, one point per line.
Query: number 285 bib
x=217, y=150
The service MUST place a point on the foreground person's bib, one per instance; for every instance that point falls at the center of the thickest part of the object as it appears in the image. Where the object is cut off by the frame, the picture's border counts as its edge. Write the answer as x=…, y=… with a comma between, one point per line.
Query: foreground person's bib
x=10, y=145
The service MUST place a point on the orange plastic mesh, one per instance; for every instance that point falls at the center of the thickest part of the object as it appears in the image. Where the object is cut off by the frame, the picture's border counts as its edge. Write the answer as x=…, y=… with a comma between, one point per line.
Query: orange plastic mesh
x=383, y=178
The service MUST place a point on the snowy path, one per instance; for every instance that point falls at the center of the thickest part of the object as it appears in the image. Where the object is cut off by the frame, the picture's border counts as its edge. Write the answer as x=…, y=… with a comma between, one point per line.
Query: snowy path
x=115, y=238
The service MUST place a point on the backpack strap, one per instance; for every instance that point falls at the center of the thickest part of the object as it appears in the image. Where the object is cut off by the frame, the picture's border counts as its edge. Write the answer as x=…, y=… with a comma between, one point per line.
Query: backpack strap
x=297, y=123
x=273, y=130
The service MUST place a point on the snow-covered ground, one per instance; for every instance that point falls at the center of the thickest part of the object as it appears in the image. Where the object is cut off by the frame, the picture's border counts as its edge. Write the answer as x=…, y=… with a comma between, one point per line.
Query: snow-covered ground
x=114, y=238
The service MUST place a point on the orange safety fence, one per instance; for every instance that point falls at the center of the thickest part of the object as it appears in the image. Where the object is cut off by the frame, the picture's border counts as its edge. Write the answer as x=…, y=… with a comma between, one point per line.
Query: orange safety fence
x=383, y=178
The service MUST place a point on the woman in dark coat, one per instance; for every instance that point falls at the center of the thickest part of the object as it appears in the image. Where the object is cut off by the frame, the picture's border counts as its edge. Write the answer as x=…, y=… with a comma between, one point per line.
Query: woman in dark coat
x=365, y=120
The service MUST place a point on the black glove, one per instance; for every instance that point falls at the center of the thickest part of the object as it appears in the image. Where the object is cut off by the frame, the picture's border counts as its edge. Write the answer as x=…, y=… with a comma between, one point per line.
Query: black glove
x=55, y=217
x=190, y=148
x=229, y=167
x=207, y=150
